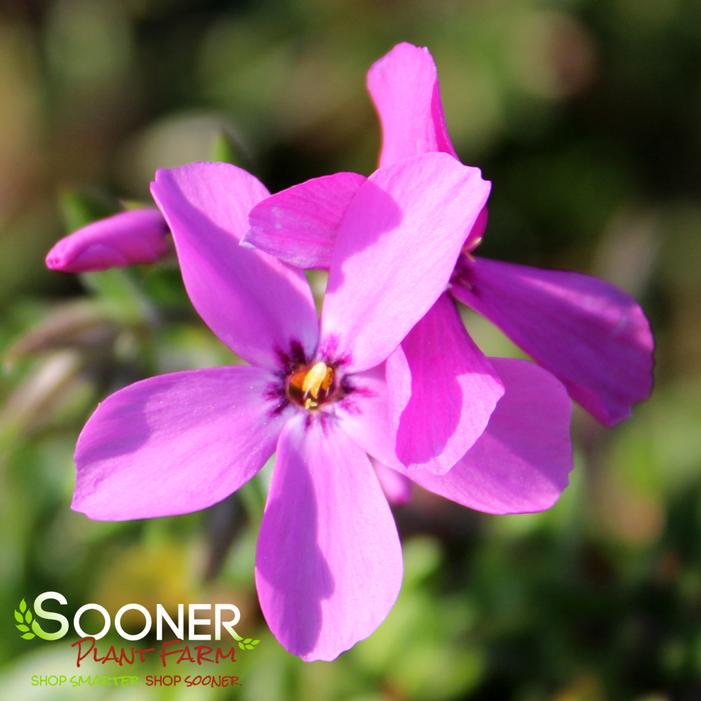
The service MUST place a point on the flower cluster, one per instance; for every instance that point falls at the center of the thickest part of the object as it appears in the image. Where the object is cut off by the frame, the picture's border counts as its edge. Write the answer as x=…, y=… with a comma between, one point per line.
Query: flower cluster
x=384, y=389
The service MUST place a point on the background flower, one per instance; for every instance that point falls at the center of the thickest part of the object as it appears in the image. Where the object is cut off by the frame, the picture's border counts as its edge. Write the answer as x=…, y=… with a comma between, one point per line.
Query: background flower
x=592, y=336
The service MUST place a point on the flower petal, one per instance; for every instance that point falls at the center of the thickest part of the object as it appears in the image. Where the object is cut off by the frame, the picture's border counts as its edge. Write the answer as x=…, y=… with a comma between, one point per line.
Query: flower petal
x=395, y=251
x=298, y=225
x=442, y=391
x=255, y=304
x=364, y=415
x=404, y=87
x=521, y=462
x=591, y=335
x=127, y=238
x=396, y=486
x=329, y=561
x=175, y=443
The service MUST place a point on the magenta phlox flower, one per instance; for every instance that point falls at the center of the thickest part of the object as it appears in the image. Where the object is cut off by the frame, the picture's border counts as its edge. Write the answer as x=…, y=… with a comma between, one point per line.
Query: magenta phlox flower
x=328, y=561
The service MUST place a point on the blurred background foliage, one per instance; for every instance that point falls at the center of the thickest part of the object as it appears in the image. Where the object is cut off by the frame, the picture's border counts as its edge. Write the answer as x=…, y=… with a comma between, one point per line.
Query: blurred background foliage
x=586, y=116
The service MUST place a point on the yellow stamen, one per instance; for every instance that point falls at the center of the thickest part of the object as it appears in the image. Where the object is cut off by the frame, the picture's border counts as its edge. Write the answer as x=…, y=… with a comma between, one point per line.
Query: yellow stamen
x=317, y=378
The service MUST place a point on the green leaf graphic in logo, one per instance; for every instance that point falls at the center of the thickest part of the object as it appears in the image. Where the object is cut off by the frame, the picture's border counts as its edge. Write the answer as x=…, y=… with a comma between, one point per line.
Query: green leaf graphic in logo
x=246, y=643
x=23, y=616
x=28, y=626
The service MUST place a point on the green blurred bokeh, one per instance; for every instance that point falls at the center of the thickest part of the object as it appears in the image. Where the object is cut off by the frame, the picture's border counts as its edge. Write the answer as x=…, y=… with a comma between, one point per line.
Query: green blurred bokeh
x=585, y=114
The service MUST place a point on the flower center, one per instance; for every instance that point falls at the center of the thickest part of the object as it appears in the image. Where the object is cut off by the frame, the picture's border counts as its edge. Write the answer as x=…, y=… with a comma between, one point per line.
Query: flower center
x=311, y=386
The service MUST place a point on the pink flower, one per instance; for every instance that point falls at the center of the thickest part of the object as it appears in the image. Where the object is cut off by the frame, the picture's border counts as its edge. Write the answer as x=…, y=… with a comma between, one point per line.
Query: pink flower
x=592, y=336
x=443, y=389
x=328, y=564
x=127, y=238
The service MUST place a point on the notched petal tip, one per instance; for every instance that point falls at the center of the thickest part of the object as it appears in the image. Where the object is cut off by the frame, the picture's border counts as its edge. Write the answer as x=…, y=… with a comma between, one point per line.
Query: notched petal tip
x=405, y=90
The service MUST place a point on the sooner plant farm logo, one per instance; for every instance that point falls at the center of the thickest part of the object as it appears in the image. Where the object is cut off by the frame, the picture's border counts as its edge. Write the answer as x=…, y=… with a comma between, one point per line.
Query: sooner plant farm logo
x=204, y=622
x=28, y=626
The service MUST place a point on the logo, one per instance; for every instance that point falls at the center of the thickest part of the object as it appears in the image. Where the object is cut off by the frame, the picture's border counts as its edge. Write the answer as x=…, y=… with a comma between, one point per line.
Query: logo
x=28, y=626
x=204, y=622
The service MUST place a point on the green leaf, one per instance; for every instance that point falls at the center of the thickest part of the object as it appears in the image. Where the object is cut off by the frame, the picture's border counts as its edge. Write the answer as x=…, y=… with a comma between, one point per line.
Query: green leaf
x=28, y=616
x=28, y=636
x=23, y=606
x=22, y=627
x=18, y=616
x=246, y=641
